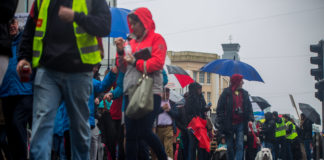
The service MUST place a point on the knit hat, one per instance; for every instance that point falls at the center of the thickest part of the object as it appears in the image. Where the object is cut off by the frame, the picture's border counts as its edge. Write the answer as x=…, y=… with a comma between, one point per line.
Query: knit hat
x=235, y=81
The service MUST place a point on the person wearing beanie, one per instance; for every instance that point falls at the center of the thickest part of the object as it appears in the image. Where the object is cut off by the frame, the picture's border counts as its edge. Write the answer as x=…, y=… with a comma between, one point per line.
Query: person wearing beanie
x=234, y=113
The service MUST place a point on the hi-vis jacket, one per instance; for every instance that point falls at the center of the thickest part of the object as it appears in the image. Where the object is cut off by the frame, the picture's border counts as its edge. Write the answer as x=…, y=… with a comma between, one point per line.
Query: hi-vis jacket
x=87, y=44
x=50, y=42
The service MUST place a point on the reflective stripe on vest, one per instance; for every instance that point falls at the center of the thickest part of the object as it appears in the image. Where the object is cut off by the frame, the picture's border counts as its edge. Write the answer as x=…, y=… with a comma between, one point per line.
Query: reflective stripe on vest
x=293, y=133
x=280, y=129
x=87, y=44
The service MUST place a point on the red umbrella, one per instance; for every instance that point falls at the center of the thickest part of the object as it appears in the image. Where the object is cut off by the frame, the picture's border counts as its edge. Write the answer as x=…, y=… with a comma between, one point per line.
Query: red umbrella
x=198, y=125
x=180, y=74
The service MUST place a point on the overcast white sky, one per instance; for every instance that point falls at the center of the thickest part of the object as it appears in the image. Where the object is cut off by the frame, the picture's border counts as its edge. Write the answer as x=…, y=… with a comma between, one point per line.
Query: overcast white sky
x=274, y=36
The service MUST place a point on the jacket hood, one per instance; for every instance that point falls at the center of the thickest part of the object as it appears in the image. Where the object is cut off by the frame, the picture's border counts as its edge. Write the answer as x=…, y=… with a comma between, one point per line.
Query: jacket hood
x=193, y=88
x=268, y=116
x=145, y=17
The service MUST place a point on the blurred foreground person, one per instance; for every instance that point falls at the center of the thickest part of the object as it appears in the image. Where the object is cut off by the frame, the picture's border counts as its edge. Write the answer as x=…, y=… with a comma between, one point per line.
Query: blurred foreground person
x=142, y=26
x=60, y=41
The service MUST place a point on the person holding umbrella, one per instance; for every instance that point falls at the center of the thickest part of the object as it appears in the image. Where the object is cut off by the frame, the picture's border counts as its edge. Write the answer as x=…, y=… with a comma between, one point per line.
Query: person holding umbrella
x=233, y=114
x=306, y=130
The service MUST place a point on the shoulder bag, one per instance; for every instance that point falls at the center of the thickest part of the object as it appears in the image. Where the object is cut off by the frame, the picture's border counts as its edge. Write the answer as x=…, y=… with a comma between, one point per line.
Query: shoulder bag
x=140, y=97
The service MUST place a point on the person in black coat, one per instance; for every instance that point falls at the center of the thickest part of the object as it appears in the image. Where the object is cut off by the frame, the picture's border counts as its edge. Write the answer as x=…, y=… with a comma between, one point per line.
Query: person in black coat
x=306, y=130
x=234, y=112
x=195, y=106
x=268, y=132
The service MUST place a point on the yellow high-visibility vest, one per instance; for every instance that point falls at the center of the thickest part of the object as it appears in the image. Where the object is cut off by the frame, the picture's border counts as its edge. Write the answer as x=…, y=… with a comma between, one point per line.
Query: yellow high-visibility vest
x=280, y=129
x=86, y=43
x=293, y=134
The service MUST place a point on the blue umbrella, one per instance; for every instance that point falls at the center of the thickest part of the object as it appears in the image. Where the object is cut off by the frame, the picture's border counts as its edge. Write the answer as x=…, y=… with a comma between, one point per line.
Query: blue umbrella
x=119, y=25
x=228, y=67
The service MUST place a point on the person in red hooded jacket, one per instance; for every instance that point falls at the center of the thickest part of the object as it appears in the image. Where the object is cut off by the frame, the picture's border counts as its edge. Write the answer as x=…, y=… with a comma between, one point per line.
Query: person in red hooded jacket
x=234, y=113
x=141, y=26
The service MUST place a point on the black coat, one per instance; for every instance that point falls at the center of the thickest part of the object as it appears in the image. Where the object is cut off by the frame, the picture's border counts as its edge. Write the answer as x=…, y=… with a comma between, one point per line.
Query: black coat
x=307, y=129
x=195, y=105
x=225, y=108
x=268, y=131
x=7, y=11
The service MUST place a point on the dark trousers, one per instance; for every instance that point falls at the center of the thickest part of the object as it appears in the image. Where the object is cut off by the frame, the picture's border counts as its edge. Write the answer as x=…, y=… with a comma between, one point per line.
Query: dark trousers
x=280, y=148
x=185, y=141
x=192, y=146
x=121, y=151
x=67, y=144
x=250, y=152
x=18, y=112
x=110, y=132
x=4, y=144
x=143, y=151
x=307, y=144
x=141, y=129
x=114, y=137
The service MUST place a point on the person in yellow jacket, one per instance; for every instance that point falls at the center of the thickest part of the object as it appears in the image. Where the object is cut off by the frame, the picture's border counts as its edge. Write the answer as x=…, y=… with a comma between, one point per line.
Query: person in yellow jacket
x=60, y=41
x=280, y=145
x=291, y=135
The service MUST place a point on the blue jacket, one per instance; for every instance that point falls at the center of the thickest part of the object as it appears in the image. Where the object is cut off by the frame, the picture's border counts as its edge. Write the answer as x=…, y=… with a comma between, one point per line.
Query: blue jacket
x=62, y=122
x=118, y=91
x=165, y=77
x=98, y=87
x=11, y=85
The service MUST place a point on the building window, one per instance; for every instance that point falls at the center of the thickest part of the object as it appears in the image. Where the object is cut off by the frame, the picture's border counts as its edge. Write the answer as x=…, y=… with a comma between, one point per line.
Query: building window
x=208, y=78
x=208, y=97
x=202, y=77
x=194, y=75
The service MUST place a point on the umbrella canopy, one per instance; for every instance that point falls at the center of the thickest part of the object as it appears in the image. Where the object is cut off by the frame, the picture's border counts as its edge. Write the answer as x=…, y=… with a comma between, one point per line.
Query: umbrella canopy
x=180, y=76
x=119, y=24
x=228, y=67
x=262, y=103
x=175, y=96
x=310, y=113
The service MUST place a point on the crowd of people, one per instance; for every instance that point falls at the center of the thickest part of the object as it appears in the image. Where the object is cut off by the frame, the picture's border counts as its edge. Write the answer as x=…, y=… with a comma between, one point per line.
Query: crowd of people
x=55, y=106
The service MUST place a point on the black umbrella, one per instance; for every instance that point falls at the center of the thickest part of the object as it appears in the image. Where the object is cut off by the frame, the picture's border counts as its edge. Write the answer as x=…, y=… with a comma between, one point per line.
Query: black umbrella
x=310, y=113
x=262, y=103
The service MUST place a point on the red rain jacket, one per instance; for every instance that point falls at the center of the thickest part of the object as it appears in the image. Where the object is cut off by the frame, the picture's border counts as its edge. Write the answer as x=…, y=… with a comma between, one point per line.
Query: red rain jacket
x=151, y=39
x=198, y=125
